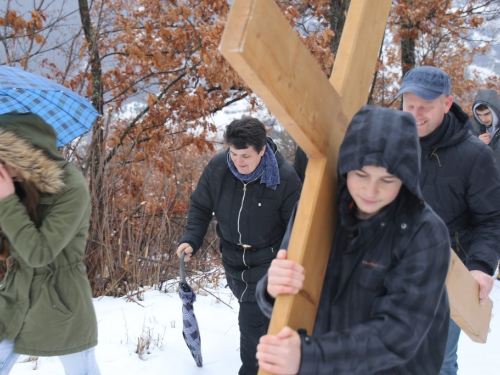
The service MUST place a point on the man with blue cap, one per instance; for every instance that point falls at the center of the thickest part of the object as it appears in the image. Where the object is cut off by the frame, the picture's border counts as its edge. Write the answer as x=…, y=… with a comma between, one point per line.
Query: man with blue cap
x=459, y=180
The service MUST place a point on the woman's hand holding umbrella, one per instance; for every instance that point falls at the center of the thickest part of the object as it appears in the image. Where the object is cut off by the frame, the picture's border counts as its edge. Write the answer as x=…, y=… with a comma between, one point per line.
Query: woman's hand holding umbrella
x=190, y=330
x=188, y=251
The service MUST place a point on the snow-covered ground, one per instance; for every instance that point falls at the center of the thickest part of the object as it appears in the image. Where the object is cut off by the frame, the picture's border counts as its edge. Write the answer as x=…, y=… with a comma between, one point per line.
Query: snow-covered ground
x=158, y=317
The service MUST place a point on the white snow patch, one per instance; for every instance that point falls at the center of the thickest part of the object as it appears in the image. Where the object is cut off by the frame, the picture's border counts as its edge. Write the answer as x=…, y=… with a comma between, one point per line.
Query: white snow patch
x=122, y=322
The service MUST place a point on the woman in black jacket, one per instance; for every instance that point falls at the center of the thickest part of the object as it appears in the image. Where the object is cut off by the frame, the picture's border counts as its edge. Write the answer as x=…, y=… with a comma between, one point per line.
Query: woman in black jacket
x=251, y=191
x=383, y=308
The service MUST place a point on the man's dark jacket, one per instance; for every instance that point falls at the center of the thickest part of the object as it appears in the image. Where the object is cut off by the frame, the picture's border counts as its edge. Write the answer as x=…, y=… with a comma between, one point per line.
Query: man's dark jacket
x=489, y=98
x=383, y=307
x=461, y=182
x=250, y=214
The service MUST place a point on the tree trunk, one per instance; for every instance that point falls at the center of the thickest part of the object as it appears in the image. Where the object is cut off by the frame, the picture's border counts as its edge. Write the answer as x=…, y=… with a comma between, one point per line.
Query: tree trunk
x=407, y=45
x=407, y=54
x=96, y=157
x=337, y=20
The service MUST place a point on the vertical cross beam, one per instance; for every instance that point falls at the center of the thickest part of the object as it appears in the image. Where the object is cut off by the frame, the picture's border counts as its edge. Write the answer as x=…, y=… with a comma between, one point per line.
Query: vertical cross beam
x=267, y=53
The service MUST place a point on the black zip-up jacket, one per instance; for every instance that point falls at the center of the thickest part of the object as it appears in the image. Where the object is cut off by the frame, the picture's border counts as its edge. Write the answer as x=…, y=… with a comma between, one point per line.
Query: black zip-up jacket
x=250, y=214
x=383, y=307
x=489, y=98
x=461, y=182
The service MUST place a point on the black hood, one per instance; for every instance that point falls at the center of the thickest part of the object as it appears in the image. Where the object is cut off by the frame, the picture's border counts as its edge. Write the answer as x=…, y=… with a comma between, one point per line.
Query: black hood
x=386, y=138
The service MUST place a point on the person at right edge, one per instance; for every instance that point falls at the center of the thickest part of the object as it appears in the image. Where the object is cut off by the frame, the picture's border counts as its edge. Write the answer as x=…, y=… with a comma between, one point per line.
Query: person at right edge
x=486, y=110
x=459, y=179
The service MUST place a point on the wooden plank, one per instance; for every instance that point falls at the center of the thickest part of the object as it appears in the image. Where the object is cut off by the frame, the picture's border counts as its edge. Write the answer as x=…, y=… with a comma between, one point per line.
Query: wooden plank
x=357, y=55
x=307, y=105
x=313, y=236
x=472, y=318
x=351, y=79
x=261, y=46
x=267, y=53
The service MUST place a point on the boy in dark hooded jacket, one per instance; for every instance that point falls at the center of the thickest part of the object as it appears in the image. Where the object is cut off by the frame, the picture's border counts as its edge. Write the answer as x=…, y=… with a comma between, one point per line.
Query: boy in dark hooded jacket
x=383, y=307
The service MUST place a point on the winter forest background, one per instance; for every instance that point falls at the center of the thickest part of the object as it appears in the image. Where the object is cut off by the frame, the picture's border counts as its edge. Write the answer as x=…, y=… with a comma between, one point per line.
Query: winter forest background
x=153, y=71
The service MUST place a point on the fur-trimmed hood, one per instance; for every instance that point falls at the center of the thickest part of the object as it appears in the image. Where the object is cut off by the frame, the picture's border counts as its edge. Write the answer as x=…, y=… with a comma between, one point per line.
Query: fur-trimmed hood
x=28, y=144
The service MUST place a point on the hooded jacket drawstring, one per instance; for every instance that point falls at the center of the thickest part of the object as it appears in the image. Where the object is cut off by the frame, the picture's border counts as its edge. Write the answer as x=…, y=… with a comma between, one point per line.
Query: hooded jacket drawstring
x=433, y=153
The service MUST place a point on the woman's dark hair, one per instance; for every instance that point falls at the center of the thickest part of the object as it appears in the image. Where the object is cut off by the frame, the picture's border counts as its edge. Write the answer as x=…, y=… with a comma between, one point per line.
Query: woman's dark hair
x=246, y=132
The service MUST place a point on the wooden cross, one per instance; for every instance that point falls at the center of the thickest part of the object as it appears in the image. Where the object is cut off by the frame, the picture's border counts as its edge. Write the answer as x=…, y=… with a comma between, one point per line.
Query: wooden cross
x=261, y=46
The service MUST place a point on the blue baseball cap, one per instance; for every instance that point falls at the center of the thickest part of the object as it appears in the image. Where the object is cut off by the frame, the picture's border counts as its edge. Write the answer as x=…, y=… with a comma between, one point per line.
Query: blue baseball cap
x=427, y=82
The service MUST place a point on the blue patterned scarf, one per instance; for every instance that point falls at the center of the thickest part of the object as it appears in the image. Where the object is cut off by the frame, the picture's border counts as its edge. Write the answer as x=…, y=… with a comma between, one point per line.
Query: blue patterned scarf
x=267, y=170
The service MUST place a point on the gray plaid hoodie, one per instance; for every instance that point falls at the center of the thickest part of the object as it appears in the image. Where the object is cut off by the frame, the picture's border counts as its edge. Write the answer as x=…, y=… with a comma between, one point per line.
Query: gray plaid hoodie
x=384, y=307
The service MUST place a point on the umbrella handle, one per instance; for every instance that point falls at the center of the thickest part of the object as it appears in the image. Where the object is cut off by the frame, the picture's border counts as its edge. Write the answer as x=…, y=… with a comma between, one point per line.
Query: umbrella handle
x=183, y=272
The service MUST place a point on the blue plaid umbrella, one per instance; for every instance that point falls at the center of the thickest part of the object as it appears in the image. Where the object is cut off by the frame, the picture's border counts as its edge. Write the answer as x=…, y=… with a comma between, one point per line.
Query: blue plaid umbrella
x=70, y=114
x=190, y=330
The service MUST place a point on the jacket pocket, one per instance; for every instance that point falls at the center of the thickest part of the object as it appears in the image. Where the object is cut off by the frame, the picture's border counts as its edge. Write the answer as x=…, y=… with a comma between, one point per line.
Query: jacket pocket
x=56, y=302
x=371, y=279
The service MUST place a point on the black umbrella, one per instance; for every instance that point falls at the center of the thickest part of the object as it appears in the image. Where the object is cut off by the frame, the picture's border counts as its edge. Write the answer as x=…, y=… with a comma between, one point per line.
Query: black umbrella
x=190, y=329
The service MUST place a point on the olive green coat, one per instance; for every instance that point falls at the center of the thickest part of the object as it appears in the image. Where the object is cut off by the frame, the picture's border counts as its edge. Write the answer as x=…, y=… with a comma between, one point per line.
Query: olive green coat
x=45, y=298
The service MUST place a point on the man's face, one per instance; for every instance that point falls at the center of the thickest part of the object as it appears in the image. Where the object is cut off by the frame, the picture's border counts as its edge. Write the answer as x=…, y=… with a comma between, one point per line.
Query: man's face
x=246, y=160
x=485, y=116
x=428, y=114
x=372, y=188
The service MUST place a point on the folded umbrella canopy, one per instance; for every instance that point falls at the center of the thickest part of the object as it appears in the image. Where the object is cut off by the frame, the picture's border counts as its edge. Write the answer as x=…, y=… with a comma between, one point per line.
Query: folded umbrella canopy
x=190, y=329
x=70, y=114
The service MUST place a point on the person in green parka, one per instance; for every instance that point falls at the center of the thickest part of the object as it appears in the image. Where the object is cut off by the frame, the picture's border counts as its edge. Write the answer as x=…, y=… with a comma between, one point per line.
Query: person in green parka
x=45, y=297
